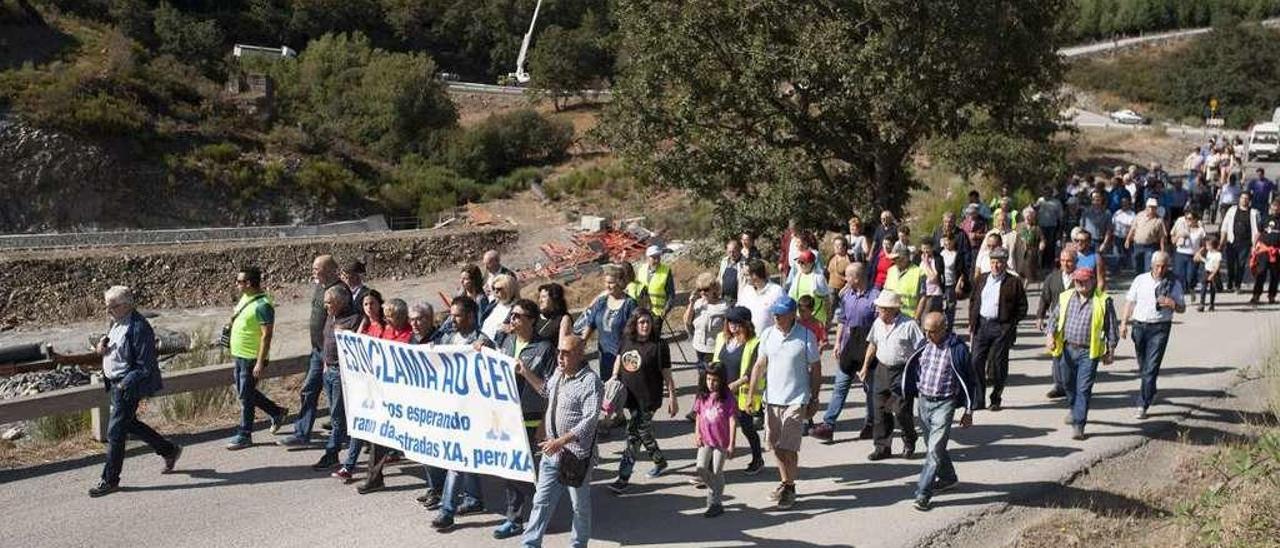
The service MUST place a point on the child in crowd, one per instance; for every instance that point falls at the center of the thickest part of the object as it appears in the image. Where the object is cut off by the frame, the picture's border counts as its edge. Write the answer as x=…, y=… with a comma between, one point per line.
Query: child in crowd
x=1210, y=256
x=715, y=434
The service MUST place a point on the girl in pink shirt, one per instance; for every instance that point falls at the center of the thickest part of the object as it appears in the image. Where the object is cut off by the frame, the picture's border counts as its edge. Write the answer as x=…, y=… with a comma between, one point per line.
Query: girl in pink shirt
x=715, y=434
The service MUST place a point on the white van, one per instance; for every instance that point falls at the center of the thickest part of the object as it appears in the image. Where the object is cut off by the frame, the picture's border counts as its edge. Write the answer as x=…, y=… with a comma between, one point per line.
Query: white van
x=1264, y=142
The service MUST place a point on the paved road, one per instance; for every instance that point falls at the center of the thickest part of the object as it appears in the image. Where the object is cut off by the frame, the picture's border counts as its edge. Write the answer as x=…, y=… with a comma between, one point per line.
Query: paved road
x=266, y=495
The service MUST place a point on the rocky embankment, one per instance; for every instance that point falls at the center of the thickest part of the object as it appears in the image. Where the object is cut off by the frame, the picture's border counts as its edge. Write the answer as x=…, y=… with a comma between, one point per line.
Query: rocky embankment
x=51, y=287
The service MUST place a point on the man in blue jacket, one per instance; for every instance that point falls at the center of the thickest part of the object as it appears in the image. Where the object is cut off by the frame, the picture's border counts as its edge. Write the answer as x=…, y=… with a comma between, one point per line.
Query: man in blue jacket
x=941, y=377
x=132, y=373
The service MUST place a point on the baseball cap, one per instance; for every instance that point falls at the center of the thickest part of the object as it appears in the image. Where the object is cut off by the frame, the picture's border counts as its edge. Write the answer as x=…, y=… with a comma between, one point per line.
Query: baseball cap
x=654, y=251
x=784, y=305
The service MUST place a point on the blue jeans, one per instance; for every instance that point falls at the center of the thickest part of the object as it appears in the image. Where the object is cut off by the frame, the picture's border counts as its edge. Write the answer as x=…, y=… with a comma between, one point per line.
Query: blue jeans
x=1142, y=257
x=1149, y=342
x=337, y=411
x=311, y=388
x=250, y=397
x=1121, y=257
x=1184, y=268
x=470, y=486
x=435, y=478
x=124, y=421
x=547, y=497
x=1077, y=372
x=840, y=393
x=935, y=429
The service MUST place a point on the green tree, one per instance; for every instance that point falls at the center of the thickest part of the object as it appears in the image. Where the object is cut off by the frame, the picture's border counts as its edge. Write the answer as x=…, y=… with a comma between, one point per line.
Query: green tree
x=193, y=40
x=343, y=88
x=565, y=62
x=774, y=109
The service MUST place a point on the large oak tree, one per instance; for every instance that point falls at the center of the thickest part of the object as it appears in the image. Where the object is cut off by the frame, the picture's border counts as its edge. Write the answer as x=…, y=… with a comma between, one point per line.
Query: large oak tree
x=776, y=108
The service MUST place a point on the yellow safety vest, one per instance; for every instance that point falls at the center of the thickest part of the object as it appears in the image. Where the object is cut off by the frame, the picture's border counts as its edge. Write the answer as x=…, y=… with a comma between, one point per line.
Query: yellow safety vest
x=805, y=284
x=744, y=371
x=909, y=282
x=635, y=289
x=656, y=284
x=246, y=330
x=1096, y=346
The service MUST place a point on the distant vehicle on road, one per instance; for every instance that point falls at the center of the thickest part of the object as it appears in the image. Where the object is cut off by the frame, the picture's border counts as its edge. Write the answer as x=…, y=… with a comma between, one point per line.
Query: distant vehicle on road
x=1264, y=142
x=1128, y=116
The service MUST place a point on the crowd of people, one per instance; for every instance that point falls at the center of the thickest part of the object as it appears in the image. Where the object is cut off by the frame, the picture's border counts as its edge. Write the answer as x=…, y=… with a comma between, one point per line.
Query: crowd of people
x=883, y=301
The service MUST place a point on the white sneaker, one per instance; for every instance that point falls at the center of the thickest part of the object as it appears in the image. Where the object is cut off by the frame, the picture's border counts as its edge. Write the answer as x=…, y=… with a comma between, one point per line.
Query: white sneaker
x=1141, y=414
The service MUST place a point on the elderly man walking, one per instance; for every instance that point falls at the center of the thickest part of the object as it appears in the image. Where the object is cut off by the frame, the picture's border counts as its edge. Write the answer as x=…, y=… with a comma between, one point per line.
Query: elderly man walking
x=789, y=355
x=340, y=316
x=568, y=453
x=1082, y=331
x=1147, y=235
x=941, y=376
x=998, y=303
x=252, y=326
x=892, y=339
x=1054, y=284
x=324, y=275
x=1152, y=300
x=132, y=373
x=854, y=316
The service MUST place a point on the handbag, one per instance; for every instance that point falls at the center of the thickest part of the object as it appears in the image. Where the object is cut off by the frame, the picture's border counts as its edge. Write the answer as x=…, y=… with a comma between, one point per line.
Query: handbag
x=224, y=339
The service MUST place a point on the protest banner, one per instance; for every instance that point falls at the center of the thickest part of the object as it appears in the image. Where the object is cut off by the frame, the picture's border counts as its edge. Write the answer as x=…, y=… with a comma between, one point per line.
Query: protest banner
x=445, y=405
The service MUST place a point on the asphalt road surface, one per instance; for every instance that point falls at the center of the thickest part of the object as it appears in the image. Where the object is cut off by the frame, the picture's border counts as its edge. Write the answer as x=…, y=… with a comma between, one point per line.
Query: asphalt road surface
x=268, y=496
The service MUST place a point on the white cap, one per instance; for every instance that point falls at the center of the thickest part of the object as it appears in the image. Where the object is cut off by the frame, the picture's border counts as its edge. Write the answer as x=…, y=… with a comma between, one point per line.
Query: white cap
x=654, y=251
x=1152, y=202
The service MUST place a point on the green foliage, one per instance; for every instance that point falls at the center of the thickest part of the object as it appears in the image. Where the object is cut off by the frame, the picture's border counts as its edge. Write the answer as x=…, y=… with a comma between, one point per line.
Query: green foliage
x=1018, y=154
x=1234, y=63
x=613, y=179
x=200, y=403
x=60, y=426
x=1104, y=18
x=343, y=88
x=193, y=40
x=425, y=189
x=328, y=182
x=218, y=153
x=506, y=141
x=771, y=108
x=564, y=62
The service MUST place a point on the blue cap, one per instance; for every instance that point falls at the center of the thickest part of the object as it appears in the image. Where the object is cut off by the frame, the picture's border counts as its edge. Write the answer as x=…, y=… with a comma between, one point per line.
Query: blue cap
x=784, y=305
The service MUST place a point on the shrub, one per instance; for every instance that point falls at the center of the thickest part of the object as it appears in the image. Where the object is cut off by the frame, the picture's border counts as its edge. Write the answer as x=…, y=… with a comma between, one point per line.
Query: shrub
x=327, y=182
x=507, y=141
x=61, y=426
x=217, y=153
x=190, y=405
x=424, y=189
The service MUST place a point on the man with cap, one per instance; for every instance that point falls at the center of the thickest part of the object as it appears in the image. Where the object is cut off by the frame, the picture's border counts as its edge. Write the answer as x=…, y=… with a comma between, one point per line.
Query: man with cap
x=998, y=303
x=1152, y=300
x=789, y=361
x=890, y=343
x=806, y=280
x=906, y=279
x=1147, y=235
x=1082, y=331
x=659, y=283
x=940, y=374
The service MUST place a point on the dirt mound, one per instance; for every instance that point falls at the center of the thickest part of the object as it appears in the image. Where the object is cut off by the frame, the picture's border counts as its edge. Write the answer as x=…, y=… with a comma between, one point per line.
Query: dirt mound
x=52, y=287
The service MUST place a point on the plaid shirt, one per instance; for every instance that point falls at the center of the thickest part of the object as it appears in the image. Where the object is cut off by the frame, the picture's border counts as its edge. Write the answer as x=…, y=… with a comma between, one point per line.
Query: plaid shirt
x=1079, y=320
x=936, y=380
x=574, y=409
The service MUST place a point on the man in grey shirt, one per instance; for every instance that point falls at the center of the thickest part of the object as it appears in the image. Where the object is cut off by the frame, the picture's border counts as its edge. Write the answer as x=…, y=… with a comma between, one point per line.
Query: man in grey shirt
x=573, y=395
x=892, y=340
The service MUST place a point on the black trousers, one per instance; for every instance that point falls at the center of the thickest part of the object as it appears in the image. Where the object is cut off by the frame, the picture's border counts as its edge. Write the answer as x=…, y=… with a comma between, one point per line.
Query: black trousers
x=1270, y=274
x=891, y=408
x=991, y=344
x=519, y=493
x=1237, y=258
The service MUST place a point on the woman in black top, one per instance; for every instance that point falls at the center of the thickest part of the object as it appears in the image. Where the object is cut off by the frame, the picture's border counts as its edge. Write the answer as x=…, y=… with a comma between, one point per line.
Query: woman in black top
x=553, y=315
x=644, y=368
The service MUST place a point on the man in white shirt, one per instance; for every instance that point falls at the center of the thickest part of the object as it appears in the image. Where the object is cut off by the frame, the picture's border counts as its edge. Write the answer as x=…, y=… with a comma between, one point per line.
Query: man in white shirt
x=758, y=295
x=894, y=337
x=1152, y=300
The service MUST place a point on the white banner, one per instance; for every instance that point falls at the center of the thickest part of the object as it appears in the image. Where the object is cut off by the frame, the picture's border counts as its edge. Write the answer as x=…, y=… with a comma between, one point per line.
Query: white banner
x=446, y=405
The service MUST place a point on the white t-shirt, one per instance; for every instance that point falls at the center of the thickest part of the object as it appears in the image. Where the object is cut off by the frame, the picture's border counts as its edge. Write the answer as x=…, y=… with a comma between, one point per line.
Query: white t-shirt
x=114, y=363
x=1143, y=293
x=948, y=268
x=1212, y=261
x=1188, y=240
x=758, y=302
x=493, y=322
x=1121, y=222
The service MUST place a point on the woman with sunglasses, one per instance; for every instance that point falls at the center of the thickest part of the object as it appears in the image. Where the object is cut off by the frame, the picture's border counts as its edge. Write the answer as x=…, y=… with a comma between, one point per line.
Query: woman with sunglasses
x=704, y=319
x=644, y=368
